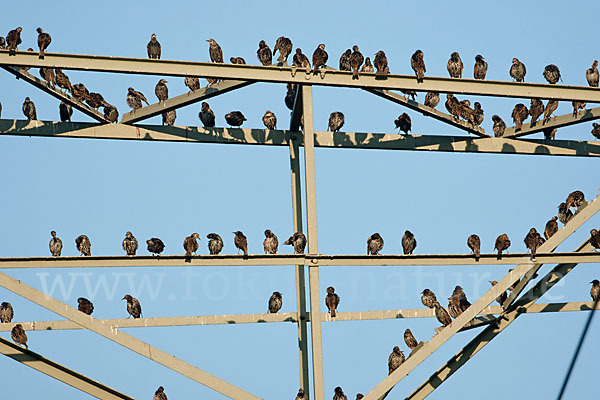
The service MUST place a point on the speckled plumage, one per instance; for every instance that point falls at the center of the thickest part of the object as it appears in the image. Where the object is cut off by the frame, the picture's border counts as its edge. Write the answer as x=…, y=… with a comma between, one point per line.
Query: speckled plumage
x=111, y=113
x=533, y=241
x=62, y=80
x=215, y=243
x=130, y=244
x=161, y=90
x=442, y=315
x=575, y=199
x=536, y=109
x=135, y=98
x=190, y=244
x=55, y=244
x=284, y=46
x=356, y=60
x=336, y=121
x=591, y=74
x=18, y=335
x=564, y=213
x=417, y=63
x=85, y=306
x=320, y=57
x=374, y=244
x=44, y=40
x=345, y=61
x=596, y=130
x=455, y=65
x=368, y=66
x=134, y=308
x=275, y=302
x=214, y=51
x=84, y=245
x=595, y=290
x=403, y=123
x=155, y=246
x=519, y=114
x=432, y=99
x=6, y=312
x=551, y=106
x=269, y=120
x=264, y=54
x=480, y=67
x=13, y=39
x=578, y=105
x=80, y=92
x=428, y=298
x=395, y=359
x=332, y=300
x=381, y=64
x=192, y=82
x=409, y=243
x=300, y=60
x=153, y=48
x=410, y=340
x=96, y=100
x=595, y=239
x=29, y=109
x=160, y=394
x=338, y=394
x=298, y=240
x=518, y=70
x=271, y=242
x=47, y=74
x=453, y=106
x=552, y=73
x=169, y=117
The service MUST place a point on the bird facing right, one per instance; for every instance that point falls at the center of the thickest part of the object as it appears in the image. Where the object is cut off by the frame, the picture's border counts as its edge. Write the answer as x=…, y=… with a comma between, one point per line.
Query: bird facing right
x=44, y=40
x=532, y=241
x=29, y=109
x=595, y=290
x=536, y=109
x=332, y=300
x=551, y=228
x=85, y=306
x=519, y=114
x=595, y=239
x=298, y=240
x=591, y=74
x=264, y=54
x=428, y=298
x=564, y=213
x=417, y=62
x=480, y=68
x=190, y=244
x=320, y=57
x=206, y=115
x=432, y=99
x=240, y=242
x=503, y=296
x=161, y=90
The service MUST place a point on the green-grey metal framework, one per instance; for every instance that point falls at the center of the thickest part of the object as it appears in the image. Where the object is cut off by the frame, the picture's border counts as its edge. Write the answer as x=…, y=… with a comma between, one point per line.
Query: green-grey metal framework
x=233, y=77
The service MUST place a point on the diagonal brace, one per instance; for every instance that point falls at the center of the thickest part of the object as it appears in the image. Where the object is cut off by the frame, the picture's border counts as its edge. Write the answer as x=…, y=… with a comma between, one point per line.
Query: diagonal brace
x=554, y=122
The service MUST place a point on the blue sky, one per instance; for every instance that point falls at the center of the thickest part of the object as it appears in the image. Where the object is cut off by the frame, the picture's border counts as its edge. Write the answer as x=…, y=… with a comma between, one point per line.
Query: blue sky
x=105, y=188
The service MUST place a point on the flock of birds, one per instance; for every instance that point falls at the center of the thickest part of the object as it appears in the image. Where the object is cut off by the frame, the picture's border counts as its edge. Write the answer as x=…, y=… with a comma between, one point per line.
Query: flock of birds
x=351, y=60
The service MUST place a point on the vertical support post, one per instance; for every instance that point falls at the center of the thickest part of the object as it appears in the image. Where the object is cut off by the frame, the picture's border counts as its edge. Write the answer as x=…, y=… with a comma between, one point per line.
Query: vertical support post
x=297, y=216
x=313, y=248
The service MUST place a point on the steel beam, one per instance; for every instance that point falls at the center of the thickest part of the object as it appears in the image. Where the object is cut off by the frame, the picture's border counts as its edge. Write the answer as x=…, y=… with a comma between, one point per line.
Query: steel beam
x=182, y=100
x=38, y=83
x=124, y=339
x=58, y=372
x=522, y=306
x=282, y=74
x=554, y=122
x=429, y=112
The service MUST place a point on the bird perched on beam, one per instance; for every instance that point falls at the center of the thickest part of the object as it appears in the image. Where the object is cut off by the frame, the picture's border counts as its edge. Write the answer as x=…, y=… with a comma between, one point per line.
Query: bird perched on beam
x=549, y=133
x=206, y=115
x=551, y=228
x=47, y=74
x=480, y=68
x=356, y=60
x=536, y=109
x=432, y=99
x=95, y=100
x=161, y=90
x=502, y=244
x=596, y=130
x=442, y=315
x=454, y=306
x=551, y=106
x=298, y=240
x=564, y=213
x=275, y=302
x=336, y=121
x=409, y=243
x=65, y=111
x=84, y=245
x=319, y=57
x=269, y=120
x=237, y=60
x=578, y=105
x=2, y=43
x=111, y=113
x=192, y=82
x=533, y=240
x=591, y=74
x=44, y=40
x=135, y=98
x=410, y=340
x=190, y=244
x=453, y=106
x=130, y=244
x=13, y=40
x=215, y=243
x=155, y=246
x=332, y=300
x=160, y=394
x=80, y=92
x=477, y=114
x=235, y=118
x=300, y=60
x=214, y=51
x=85, y=306
x=134, y=308
x=503, y=296
x=462, y=297
x=455, y=65
x=154, y=49
x=367, y=67
x=264, y=54
x=474, y=244
x=339, y=394
x=595, y=290
x=395, y=359
x=18, y=335
x=240, y=242
x=403, y=122
x=55, y=244
x=428, y=298
x=345, y=61
x=381, y=63
x=301, y=395
x=6, y=312
x=271, y=242
x=290, y=96
x=284, y=45
x=374, y=244
x=517, y=70
x=575, y=199
x=62, y=80
x=595, y=239
x=417, y=62
x=168, y=117
x=519, y=114
x=552, y=73
x=29, y=109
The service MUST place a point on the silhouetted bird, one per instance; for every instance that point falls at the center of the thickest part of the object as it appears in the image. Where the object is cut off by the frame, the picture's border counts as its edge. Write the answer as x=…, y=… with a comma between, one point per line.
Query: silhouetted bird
x=84, y=245
x=65, y=111
x=290, y=96
x=301, y=395
x=564, y=213
x=428, y=298
x=518, y=70
x=591, y=74
x=190, y=244
x=595, y=239
x=551, y=73
x=453, y=106
x=455, y=65
x=442, y=315
x=503, y=296
x=168, y=118
x=85, y=306
x=18, y=335
x=44, y=41
x=418, y=64
x=111, y=113
x=368, y=67
x=271, y=242
x=13, y=39
x=575, y=199
x=519, y=114
x=532, y=242
x=155, y=246
x=432, y=99
x=192, y=82
x=359, y=396
x=47, y=74
x=134, y=307
x=29, y=109
x=374, y=244
x=395, y=359
x=55, y=245
x=596, y=130
x=474, y=244
x=215, y=243
x=264, y=54
x=130, y=244
x=345, y=61
x=403, y=122
x=332, y=300
x=237, y=60
x=536, y=109
x=2, y=43
x=356, y=60
x=298, y=240
x=550, y=133
x=477, y=114
x=320, y=57
x=62, y=80
x=206, y=115
x=161, y=90
x=80, y=92
x=235, y=118
x=338, y=394
x=409, y=243
x=270, y=120
x=160, y=394
x=284, y=45
x=336, y=121
x=275, y=302
x=480, y=68
x=240, y=242
x=300, y=60
x=578, y=105
x=551, y=228
x=502, y=244
x=95, y=100
x=135, y=98
x=6, y=312
x=410, y=340
x=153, y=47
x=551, y=106
x=215, y=52
x=381, y=63
x=595, y=290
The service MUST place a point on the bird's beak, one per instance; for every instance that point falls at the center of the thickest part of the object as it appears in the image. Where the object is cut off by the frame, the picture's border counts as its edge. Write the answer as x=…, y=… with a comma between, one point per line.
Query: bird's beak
x=123, y=298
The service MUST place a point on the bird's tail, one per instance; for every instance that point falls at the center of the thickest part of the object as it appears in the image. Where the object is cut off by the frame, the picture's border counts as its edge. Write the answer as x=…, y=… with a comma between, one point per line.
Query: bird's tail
x=477, y=254
x=354, y=73
x=280, y=58
x=499, y=254
x=517, y=124
x=420, y=75
x=245, y=252
x=41, y=56
x=333, y=314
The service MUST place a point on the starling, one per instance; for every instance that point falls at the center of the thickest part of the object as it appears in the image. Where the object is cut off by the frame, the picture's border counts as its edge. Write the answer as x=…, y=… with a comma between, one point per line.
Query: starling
x=298, y=240
x=319, y=57
x=300, y=60
x=111, y=113
x=596, y=130
x=206, y=115
x=336, y=121
x=160, y=394
x=474, y=244
x=578, y=105
x=595, y=239
x=290, y=96
x=381, y=63
x=418, y=64
x=264, y=54
x=161, y=90
x=192, y=82
x=551, y=73
x=95, y=100
x=153, y=48
x=591, y=74
x=518, y=70
x=275, y=302
x=80, y=92
x=215, y=52
x=44, y=40
x=6, y=312
x=135, y=98
x=271, y=242
x=403, y=122
x=595, y=290
x=2, y=43
x=356, y=60
x=453, y=106
x=455, y=65
x=532, y=242
x=339, y=394
x=442, y=315
x=551, y=228
x=284, y=45
x=428, y=298
x=374, y=244
x=270, y=120
x=410, y=340
x=29, y=109
x=575, y=199
x=454, y=306
x=536, y=109
x=519, y=114
x=85, y=306
x=13, y=39
x=18, y=335
x=409, y=243
x=300, y=395
x=130, y=244
x=55, y=245
x=84, y=245
x=215, y=243
x=240, y=242
x=502, y=244
x=62, y=80
x=134, y=307
x=235, y=118
x=480, y=68
x=564, y=213
x=237, y=60
x=155, y=246
x=410, y=93
x=345, y=61
x=550, y=133
x=432, y=99
x=190, y=244
x=47, y=74
x=503, y=296
x=395, y=359
x=368, y=67
x=332, y=300
x=65, y=111
x=359, y=396
x=477, y=113
x=466, y=112
x=168, y=117
x=460, y=294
